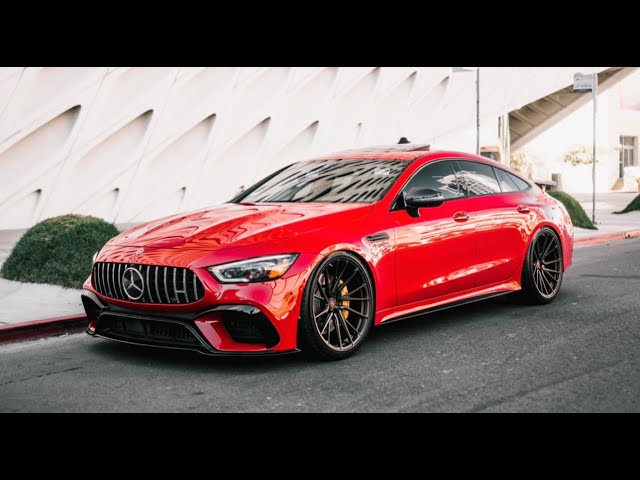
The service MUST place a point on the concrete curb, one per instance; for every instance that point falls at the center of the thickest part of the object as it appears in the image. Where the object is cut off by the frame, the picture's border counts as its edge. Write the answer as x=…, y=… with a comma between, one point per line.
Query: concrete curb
x=609, y=237
x=47, y=327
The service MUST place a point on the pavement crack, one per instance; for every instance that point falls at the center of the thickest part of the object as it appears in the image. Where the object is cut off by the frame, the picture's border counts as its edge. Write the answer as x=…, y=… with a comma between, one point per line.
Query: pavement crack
x=522, y=393
x=40, y=376
x=623, y=277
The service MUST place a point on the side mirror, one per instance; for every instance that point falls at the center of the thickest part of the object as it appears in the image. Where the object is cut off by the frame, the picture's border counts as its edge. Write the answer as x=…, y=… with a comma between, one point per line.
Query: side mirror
x=417, y=198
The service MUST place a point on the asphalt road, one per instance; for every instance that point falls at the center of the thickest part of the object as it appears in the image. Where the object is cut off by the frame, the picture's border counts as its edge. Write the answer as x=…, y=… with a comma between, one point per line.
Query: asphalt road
x=579, y=354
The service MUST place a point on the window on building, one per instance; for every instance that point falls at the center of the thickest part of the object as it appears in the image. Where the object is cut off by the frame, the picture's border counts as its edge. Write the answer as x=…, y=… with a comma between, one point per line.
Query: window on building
x=627, y=153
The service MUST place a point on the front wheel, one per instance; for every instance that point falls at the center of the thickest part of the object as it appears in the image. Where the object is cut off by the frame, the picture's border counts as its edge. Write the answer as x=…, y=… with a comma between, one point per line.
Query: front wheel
x=337, y=308
x=542, y=270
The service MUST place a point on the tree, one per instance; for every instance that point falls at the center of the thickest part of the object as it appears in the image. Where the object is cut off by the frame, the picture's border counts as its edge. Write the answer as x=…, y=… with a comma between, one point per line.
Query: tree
x=578, y=156
x=519, y=163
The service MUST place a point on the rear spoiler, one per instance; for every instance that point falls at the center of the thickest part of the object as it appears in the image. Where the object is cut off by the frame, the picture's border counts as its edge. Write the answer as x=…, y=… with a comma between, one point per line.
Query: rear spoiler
x=543, y=184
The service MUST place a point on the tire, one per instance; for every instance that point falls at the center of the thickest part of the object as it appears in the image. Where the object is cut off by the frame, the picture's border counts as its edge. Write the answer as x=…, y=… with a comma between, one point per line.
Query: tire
x=334, y=324
x=542, y=271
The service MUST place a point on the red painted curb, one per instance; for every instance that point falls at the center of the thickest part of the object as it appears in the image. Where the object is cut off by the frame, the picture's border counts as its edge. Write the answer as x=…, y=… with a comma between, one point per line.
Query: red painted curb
x=42, y=328
x=609, y=237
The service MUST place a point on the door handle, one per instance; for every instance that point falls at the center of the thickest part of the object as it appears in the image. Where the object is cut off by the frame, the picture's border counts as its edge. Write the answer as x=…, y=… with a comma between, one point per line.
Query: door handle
x=523, y=208
x=461, y=217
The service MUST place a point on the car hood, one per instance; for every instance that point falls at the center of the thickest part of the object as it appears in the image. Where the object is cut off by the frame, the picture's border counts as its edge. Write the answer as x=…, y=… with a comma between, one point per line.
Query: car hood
x=237, y=225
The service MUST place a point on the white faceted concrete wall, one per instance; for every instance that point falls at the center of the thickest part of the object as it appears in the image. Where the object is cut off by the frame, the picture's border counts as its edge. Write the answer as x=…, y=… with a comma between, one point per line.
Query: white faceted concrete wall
x=129, y=143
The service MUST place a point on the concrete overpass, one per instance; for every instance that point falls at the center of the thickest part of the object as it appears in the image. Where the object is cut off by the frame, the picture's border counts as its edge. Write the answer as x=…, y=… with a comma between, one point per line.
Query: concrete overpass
x=530, y=120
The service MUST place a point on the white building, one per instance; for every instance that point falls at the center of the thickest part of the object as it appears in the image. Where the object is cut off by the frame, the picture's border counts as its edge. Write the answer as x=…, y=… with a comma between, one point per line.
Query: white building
x=617, y=132
x=130, y=144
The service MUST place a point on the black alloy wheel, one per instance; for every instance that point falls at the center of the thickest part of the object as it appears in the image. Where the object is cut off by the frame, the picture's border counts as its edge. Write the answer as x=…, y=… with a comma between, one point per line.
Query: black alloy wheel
x=338, y=307
x=542, y=270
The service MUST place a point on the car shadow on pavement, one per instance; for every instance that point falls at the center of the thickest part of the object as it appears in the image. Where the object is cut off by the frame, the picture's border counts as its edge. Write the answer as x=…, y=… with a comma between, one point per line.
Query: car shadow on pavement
x=184, y=359
x=388, y=336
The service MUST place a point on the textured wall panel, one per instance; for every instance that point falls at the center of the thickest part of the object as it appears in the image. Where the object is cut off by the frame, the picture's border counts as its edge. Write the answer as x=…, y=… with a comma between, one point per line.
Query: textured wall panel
x=134, y=143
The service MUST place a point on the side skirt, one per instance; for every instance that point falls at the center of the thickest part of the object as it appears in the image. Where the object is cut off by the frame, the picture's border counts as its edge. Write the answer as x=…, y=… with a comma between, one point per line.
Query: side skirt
x=446, y=306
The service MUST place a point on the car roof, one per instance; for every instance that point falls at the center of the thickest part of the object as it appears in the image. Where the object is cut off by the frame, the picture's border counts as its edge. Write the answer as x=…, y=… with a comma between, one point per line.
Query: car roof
x=402, y=147
x=404, y=151
x=409, y=152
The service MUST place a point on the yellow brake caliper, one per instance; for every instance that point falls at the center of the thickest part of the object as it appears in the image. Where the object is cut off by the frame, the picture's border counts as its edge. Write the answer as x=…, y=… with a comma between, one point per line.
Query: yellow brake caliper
x=345, y=303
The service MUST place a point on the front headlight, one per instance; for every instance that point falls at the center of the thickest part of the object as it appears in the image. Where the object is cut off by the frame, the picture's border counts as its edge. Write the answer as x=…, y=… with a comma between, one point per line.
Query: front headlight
x=260, y=269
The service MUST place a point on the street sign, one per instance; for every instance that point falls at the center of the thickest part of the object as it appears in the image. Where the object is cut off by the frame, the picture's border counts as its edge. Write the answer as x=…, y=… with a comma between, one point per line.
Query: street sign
x=583, y=83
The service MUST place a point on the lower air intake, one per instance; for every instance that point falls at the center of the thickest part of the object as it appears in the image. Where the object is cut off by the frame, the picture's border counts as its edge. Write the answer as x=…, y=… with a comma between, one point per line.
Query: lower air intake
x=148, y=331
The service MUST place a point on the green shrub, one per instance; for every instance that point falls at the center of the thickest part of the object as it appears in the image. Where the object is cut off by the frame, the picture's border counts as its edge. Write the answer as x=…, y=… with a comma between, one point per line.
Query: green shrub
x=58, y=250
x=578, y=216
x=633, y=206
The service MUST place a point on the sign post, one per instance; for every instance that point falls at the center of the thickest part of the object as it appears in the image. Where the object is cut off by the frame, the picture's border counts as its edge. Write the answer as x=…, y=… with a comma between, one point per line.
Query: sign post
x=583, y=83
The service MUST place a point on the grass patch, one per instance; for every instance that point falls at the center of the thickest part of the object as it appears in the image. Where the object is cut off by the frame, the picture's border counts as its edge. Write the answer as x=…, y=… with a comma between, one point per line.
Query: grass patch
x=58, y=250
x=578, y=216
x=632, y=207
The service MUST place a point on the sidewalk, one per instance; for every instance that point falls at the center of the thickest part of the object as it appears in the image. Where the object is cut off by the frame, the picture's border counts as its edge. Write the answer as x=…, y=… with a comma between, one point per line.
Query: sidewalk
x=23, y=302
x=606, y=221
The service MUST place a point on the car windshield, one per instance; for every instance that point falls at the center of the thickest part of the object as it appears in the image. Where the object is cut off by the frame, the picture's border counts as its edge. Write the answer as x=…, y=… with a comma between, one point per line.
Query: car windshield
x=330, y=181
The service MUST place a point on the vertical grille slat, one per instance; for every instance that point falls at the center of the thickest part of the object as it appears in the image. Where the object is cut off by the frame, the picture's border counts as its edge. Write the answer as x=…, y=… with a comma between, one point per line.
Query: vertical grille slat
x=184, y=285
x=166, y=290
x=110, y=269
x=96, y=276
x=156, y=285
x=121, y=270
x=195, y=286
x=114, y=286
x=144, y=292
x=119, y=282
x=179, y=285
x=101, y=275
x=112, y=283
x=108, y=276
x=149, y=289
x=113, y=280
x=102, y=282
x=100, y=270
x=104, y=277
x=175, y=285
x=108, y=280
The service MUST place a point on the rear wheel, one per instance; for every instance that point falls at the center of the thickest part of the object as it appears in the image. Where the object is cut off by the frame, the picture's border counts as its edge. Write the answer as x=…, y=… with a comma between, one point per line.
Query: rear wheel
x=337, y=308
x=542, y=270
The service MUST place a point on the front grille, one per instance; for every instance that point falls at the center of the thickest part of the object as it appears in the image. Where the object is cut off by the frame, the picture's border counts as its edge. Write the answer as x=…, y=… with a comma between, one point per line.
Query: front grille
x=147, y=283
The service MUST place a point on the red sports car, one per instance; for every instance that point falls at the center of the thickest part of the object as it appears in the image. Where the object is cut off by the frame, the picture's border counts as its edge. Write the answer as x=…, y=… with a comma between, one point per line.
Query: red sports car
x=316, y=254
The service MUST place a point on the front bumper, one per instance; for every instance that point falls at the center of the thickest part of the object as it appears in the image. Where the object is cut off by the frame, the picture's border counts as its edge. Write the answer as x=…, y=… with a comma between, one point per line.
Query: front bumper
x=252, y=319
x=235, y=334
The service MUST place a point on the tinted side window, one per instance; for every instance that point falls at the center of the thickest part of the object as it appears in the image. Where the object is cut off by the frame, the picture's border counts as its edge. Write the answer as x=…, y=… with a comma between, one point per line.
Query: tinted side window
x=479, y=178
x=438, y=176
x=522, y=185
x=506, y=181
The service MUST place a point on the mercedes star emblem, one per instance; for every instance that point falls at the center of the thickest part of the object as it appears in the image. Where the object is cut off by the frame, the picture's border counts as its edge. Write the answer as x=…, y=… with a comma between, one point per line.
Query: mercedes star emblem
x=133, y=283
x=139, y=251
